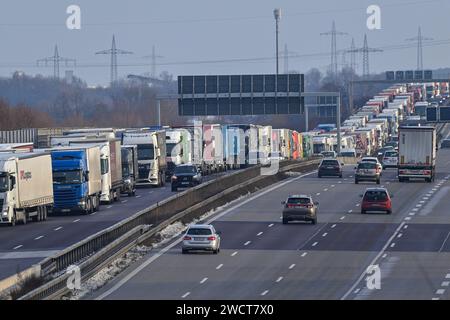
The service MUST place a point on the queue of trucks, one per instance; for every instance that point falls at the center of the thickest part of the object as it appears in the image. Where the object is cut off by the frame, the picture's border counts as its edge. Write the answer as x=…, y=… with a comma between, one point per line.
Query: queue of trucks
x=81, y=168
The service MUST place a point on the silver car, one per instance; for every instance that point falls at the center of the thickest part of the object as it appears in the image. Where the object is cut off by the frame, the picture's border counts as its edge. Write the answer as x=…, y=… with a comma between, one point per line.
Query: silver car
x=201, y=237
x=300, y=208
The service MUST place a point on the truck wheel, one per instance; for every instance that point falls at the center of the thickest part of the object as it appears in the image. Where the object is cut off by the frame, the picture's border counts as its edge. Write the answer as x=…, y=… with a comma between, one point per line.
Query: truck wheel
x=111, y=197
x=174, y=189
x=117, y=196
x=88, y=209
x=44, y=213
x=25, y=219
x=13, y=220
x=97, y=204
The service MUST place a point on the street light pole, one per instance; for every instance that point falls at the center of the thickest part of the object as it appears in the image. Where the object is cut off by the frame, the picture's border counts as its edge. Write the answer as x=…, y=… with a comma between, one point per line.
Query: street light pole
x=277, y=15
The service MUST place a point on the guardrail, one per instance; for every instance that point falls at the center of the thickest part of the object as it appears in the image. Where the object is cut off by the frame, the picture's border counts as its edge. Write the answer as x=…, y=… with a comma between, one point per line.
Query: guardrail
x=97, y=249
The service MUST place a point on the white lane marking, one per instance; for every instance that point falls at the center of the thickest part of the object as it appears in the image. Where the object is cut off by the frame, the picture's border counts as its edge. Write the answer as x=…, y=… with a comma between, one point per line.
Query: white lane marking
x=345, y=179
x=150, y=192
x=123, y=201
x=281, y=217
x=271, y=225
x=318, y=194
x=325, y=189
x=315, y=244
x=76, y=220
x=447, y=276
x=260, y=233
x=56, y=229
x=384, y=255
x=388, y=182
x=247, y=243
x=351, y=176
x=325, y=234
x=333, y=186
x=292, y=266
x=356, y=291
x=357, y=204
x=137, y=197
x=363, y=274
x=405, y=227
x=219, y=266
x=334, y=225
x=421, y=201
x=400, y=235
x=185, y=295
x=445, y=284
x=415, y=209
x=408, y=218
x=264, y=293
x=203, y=280
x=418, y=205
x=340, y=182
x=108, y=207
x=440, y=291
x=392, y=244
x=304, y=254
x=234, y=253
x=93, y=213
x=350, y=211
x=173, y=244
x=412, y=213
x=443, y=243
x=434, y=298
x=279, y=279
x=37, y=238
x=18, y=247
x=425, y=198
x=342, y=218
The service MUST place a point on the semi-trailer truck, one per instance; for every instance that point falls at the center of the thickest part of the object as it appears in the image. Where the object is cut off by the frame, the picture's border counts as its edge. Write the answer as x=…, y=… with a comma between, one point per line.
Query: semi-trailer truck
x=416, y=153
x=213, y=147
x=129, y=169
x=179, y=145
x=26, y=189
x=77, y=179
x=151, y=148
x=110, y=163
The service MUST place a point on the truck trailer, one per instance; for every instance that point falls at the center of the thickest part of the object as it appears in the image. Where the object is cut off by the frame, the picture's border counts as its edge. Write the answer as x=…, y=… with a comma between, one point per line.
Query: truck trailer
x=416, y=153
x=26, y=187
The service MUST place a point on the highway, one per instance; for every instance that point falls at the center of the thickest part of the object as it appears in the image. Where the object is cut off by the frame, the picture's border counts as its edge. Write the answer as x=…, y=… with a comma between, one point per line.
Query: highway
x=24, y=245
x=261, y=258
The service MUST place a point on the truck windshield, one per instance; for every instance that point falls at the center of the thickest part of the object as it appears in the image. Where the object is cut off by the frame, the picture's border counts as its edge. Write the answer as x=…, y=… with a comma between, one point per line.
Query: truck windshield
x=67, y=177
x=146, y=152
x=173, y=149
x=4, y=186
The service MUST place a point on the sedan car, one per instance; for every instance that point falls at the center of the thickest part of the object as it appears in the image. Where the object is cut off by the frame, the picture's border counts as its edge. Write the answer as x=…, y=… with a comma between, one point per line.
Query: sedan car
x=299, y=208
x=185, y=175
x=376, y=199
x=330, y=167
x=201, y=237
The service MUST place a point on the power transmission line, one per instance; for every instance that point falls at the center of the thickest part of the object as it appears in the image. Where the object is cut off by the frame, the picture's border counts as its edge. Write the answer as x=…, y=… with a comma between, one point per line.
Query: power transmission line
x=113, y=52
x=365, y=50
x=56, y=59
x=333, y=33
x=153, y=56
x=419, y=40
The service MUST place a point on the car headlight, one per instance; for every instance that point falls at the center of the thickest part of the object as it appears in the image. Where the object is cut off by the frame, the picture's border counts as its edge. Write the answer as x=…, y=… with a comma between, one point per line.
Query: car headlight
x=128, y=181
x=82, y=203
x=5, y=213
x=174, y=178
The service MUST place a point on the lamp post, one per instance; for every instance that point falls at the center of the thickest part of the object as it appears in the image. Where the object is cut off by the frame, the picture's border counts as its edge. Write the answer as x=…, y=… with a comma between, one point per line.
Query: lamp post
x=277, y=15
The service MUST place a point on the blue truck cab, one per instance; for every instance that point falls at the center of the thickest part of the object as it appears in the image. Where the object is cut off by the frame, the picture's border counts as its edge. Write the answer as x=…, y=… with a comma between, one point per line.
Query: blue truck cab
x=76, y=179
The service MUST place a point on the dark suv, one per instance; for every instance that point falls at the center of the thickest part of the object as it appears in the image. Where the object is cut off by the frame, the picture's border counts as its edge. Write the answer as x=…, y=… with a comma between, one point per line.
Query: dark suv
x=185, y=175
x=330, y=167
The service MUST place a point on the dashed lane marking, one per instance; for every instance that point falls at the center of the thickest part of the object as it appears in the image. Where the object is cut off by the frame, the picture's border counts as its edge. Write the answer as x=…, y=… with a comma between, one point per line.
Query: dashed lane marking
x=56, y=229
x=234, y=253
x=292, y=266
x=279, y=279
x=185, y=295
x=219, y=266
x=38, y=238
x=247, y=243
x=203, y=280
x=18, y=247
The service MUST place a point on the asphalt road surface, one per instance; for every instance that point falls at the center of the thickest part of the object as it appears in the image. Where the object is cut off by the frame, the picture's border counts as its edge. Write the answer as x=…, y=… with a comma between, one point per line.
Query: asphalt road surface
x=261, y=258
x=24, y=245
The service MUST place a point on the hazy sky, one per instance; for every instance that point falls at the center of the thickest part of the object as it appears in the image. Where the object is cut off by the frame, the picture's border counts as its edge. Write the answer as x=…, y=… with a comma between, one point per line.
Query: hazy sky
x=200, y=30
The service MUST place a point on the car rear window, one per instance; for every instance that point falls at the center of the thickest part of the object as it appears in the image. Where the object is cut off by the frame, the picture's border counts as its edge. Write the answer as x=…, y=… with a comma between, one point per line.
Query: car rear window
x=298, y=201
x=199, y=231
x=369, y=160
x=391, y=154
x=328, y=154
x=367, y=165
x=330, y=163
x=375, y=195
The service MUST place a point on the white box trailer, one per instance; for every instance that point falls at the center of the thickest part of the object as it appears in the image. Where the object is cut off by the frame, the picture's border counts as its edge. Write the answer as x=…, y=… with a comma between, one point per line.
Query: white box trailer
x=416, y=153
x=26, y=187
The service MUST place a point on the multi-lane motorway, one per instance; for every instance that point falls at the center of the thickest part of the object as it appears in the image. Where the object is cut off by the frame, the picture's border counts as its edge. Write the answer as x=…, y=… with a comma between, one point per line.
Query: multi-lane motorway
x=24, y=245
x=261, y=258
